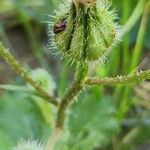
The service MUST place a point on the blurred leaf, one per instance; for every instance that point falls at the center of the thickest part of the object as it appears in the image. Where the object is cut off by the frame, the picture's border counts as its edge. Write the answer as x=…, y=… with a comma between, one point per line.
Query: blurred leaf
x=20, y=117
x=91, y=124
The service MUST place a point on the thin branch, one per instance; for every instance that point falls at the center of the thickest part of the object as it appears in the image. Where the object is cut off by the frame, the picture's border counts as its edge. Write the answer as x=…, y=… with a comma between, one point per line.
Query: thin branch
x=22, y=72
x=137, y=77
x=15, y=88
x=72, y=92
x=22, y=89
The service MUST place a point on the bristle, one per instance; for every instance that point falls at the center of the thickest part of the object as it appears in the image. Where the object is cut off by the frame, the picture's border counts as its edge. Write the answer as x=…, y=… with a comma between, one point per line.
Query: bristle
x=102, y=19
x=28, y=145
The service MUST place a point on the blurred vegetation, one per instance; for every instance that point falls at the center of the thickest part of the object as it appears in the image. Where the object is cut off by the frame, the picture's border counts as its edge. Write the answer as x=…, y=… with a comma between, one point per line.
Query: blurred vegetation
x=106, y=118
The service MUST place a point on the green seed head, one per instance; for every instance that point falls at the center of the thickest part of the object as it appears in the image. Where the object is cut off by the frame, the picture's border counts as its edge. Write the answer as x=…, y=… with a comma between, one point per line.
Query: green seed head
x=84, y=30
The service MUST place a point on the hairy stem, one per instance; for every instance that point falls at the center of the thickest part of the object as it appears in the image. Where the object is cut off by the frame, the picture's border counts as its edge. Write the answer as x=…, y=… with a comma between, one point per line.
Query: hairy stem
x=72, y=92
x=136, y=77
x=23, y=72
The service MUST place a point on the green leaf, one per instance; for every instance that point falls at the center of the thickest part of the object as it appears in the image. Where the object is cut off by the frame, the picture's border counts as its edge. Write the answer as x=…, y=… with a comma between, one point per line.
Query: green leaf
x=92, y=124
x=20, y=118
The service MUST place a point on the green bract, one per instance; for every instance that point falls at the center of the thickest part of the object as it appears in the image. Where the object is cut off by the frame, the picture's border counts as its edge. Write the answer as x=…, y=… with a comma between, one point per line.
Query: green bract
x=84, y=32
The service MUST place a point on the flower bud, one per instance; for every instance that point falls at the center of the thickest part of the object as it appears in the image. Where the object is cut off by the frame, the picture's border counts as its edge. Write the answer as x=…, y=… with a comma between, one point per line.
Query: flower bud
x=85, y=30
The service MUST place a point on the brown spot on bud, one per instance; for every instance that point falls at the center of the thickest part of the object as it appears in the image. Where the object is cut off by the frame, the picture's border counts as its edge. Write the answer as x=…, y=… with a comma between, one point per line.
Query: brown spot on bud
x=60, y=26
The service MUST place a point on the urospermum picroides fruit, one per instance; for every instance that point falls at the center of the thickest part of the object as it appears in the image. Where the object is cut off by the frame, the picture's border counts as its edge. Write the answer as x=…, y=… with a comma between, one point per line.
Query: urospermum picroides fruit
x=84, y=29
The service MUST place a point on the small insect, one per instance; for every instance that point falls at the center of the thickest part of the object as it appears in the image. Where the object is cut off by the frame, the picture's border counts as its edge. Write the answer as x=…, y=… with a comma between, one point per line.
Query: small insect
x=60, y=26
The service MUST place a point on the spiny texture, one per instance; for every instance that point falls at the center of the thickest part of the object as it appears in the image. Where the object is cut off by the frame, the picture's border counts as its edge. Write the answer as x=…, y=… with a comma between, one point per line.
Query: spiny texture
x=28, y=145
x=136, y=77
x=71, y=93
x=84, y=32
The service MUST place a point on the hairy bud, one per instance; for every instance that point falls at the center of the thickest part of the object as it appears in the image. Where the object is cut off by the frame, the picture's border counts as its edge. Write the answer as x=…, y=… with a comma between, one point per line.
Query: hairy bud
x=84, y=30
x=28, y=145
x=84, y=2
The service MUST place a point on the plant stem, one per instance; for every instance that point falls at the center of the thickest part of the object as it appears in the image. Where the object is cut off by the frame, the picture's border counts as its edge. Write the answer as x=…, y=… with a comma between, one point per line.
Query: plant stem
x=125, y=45
x=126, y=103
x=72, y=92
x=140, y=37
x=137, y=77
x=23, y=72
x=75, y=88
x=135, y=16
x=52, y=140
